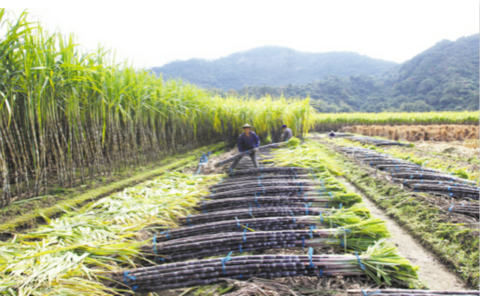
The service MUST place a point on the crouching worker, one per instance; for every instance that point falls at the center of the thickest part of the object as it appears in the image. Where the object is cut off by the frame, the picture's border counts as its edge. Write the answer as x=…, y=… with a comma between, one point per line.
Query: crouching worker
x=248, y=143
x=286, y=133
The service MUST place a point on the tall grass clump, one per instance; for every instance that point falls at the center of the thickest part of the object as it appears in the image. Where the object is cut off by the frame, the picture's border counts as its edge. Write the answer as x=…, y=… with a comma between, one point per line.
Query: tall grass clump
x=67, y=116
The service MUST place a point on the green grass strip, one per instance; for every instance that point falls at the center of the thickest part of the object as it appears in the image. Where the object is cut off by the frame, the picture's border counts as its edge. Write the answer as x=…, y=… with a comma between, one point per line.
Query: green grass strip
x=172, y=162
x=454, y=243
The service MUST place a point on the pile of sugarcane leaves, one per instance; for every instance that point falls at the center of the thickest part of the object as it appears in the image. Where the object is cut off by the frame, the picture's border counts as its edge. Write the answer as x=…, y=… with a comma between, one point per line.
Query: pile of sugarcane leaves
x=73, y=254
x=235, y=233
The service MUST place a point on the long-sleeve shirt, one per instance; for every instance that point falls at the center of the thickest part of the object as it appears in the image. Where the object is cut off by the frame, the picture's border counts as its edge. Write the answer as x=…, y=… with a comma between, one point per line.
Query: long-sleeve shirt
x=245, y=142
x=287, y=134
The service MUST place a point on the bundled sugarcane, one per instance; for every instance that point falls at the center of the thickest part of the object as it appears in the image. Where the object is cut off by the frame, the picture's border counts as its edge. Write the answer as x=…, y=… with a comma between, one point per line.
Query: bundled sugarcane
x=337, y=218
x=253, y=212
x=336, y=200
x=380, y=262
x=402, y=292
x=259, y=182
x=354, y=237
x=259, y=190
x=263, y=177
x=471, y=208
x=270, y=170
x=468, y=192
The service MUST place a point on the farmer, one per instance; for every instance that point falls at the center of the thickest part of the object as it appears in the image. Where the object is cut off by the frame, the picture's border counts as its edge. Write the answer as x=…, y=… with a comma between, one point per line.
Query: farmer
x=247, y=143
x=286, y=133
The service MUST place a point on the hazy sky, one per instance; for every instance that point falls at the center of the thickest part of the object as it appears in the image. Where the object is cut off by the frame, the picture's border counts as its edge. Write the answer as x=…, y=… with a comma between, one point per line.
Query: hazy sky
x=151, y=33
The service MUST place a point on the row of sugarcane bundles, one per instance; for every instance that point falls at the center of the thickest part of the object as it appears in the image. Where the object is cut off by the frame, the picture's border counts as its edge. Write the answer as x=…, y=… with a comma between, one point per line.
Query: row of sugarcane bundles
x=417, y=177
x=374, y=141
x=329, y=218
x=352, y=237
x=260, y=215
x=401, y=292
x=380, y=262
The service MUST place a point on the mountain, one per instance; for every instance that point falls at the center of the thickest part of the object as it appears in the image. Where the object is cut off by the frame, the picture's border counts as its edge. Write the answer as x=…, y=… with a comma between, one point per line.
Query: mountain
x=272, y=66
x=444, y=77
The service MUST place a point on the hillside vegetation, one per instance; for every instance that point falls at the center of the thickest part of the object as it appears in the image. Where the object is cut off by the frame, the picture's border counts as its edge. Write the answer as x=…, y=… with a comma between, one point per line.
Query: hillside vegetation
x=444, y=77
x=273, y=66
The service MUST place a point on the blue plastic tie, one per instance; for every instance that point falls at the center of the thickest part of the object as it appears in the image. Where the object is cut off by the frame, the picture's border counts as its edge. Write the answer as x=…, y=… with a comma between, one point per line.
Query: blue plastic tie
x=188, y=220
x=371, y=293
x=225, y=260
x=166, y=233
x=449, y=188
x=244, y=237
x=321, y=217
x=250, y=210
x=127, y=277
x=312, y=227
x=307, y=205
x=240, y=248
x=256, y=200
x=362, y=266
x=320, y=273
x=238, y=223
x=154, y=242
x=303, y=242
x=310, y=255
x=331, y=195
x=451, y=207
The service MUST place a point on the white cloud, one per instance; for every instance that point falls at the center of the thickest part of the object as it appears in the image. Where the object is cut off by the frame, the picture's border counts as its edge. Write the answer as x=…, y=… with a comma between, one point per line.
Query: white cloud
x=151, y=33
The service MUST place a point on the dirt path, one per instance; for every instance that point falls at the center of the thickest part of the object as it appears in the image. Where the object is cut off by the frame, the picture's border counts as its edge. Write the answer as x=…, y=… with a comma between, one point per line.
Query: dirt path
x=431, y=271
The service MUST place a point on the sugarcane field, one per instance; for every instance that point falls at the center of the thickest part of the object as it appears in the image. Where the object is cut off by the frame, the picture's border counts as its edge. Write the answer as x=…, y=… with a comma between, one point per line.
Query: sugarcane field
x=270, y=171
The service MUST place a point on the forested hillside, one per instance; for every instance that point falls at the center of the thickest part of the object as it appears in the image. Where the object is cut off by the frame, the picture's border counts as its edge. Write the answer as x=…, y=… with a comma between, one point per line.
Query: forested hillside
x=273, y=66
x=444, y=77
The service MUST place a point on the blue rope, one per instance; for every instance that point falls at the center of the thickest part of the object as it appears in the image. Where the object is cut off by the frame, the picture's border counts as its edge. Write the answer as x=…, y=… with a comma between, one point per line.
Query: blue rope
x=154, y=242
x=312, y=227
x=127, y=277
x=310, y=255
x=245, y=234
x=307, y=205
x=250, y=210
x=238, y=222
x=240, y=248
x=320, y=273
x=321, y=217
x=362, y=266
x=166, y=233
x=371, y=293
x=303, y=242
x=451, y=207
x=256, y=200
x=225, y=260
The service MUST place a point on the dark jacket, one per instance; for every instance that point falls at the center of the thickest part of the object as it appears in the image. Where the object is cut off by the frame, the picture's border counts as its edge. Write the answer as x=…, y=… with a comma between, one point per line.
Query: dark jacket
x=245, y=142
x=287, y=134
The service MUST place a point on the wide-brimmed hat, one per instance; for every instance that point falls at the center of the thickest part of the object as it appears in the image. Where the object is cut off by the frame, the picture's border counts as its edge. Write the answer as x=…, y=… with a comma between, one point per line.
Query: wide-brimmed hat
x=246, y=125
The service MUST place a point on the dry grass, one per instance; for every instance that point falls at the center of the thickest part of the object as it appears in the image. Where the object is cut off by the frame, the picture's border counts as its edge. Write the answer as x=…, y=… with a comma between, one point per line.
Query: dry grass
x=444, y=132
